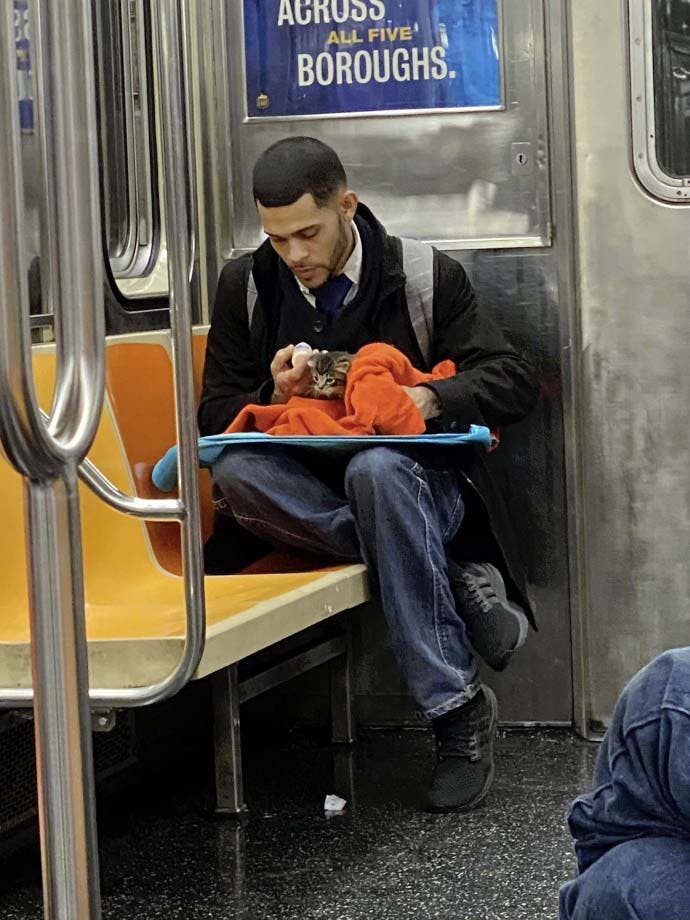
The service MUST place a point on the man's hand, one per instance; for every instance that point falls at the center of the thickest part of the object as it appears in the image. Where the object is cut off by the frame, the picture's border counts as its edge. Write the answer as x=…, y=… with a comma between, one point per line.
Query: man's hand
x=288, y=380
x=425, y=400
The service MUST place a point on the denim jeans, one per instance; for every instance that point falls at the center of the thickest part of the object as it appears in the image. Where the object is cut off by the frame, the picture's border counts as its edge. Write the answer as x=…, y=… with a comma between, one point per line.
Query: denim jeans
x=397, y=510
x=632, y=832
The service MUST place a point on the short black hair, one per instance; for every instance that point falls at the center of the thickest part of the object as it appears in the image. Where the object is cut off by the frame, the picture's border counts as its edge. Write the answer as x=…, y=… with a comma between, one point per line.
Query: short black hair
x=295, y=166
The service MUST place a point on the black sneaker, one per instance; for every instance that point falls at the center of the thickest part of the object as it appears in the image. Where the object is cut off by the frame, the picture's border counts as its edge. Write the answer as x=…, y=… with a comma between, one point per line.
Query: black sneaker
x=495, y=626
x=464, y=752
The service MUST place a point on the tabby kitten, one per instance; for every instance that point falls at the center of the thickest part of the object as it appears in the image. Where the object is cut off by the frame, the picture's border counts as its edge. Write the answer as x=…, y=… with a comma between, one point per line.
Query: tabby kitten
x=328, y=374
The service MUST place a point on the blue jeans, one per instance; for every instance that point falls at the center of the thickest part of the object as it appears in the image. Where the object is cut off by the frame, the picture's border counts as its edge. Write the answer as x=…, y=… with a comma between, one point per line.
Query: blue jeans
x=632, y=832
x=395, y=509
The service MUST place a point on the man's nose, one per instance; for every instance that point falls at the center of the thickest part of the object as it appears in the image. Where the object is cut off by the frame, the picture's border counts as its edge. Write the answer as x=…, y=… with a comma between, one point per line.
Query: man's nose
x=297, y=252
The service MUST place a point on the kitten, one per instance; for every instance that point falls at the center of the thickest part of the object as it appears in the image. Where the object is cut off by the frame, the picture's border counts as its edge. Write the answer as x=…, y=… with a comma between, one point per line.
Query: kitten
x=328, y=374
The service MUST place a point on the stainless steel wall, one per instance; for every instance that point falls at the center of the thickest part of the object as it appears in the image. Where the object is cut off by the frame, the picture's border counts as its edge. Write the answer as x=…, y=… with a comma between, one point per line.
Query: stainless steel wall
x=467, y=196
x=633, y=301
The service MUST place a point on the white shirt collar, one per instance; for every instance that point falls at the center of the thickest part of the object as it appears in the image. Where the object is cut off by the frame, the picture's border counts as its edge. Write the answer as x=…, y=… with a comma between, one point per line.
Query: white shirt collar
x=352, y=269
x=353, y=266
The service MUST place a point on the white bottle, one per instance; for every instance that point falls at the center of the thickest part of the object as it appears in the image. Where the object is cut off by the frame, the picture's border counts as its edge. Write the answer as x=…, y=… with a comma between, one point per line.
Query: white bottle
x=301, y=354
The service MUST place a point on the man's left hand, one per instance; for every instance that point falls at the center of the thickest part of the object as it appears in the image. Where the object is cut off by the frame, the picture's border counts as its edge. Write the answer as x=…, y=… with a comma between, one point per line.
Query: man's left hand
x=425, y=400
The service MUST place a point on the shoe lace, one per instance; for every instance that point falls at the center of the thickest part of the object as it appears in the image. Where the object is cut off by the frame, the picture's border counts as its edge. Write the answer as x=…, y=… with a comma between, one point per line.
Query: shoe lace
x=465, y=747
x=465, y=740
x=481, y=591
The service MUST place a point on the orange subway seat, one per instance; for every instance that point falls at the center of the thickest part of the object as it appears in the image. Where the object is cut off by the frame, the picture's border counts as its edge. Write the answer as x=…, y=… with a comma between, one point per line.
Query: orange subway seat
x=128, y=595
x=139, y=383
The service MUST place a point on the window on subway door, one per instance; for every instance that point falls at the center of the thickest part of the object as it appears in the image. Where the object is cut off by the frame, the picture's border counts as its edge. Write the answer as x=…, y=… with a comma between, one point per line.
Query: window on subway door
x=134, y=237
x=671, y=68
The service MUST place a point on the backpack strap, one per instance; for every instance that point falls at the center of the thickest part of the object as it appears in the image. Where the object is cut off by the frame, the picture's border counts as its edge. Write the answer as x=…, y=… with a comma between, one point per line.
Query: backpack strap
x=252, y=295
x=418, y=265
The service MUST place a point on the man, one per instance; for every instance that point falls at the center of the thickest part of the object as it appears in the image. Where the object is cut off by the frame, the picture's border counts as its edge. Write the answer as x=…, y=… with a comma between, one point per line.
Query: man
x=329, y=275
x=632, y=832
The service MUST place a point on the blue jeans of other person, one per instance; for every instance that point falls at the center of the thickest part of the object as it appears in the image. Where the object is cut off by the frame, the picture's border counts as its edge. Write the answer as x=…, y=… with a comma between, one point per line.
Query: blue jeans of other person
x=395, y=509
x=632, y=832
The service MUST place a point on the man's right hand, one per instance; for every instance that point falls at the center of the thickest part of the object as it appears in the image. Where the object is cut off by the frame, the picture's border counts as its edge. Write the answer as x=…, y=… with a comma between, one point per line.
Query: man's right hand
x=288, y=380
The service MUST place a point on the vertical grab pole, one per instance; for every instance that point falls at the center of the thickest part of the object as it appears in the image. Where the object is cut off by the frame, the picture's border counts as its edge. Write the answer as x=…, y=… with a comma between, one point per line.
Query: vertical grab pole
x=43, y=451
x=48, y=456
x=64, y=757
x=69, y=846
x=175, y=114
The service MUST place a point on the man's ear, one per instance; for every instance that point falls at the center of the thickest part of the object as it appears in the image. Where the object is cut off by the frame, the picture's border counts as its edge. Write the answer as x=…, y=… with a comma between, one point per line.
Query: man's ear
x=348, y=202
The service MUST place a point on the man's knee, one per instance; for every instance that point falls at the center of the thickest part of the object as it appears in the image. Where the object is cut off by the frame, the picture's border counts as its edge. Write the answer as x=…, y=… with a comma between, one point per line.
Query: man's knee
x=642, y=878
x=582, y=900
x=376, y=469
x=239, y=468
x=599, y=892
x=663, y=683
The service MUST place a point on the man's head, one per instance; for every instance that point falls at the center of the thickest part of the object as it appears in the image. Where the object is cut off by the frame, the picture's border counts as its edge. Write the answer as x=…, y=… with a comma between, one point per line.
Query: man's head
x=301, y=193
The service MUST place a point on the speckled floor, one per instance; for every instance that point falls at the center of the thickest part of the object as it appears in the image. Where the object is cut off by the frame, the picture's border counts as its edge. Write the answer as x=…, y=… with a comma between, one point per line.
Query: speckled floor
x=162, y=856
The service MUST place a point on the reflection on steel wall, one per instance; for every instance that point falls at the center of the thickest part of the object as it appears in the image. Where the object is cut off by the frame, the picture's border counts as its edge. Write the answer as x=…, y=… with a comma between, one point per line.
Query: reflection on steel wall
x=634, y=301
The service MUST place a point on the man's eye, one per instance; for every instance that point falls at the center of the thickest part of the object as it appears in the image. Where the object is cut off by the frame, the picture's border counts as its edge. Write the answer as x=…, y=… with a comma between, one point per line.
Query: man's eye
x=309, y=234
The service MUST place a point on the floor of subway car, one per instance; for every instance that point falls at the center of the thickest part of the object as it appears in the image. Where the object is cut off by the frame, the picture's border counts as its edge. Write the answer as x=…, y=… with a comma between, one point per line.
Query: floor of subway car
x=163, y=855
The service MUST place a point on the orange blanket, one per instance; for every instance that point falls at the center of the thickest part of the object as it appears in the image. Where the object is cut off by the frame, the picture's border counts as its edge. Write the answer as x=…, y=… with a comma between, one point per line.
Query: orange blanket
x=374, y=401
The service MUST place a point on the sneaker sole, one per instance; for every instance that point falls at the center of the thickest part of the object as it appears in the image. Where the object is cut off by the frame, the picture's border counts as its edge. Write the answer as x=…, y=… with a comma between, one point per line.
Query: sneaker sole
x=524, y=626
x=484, y=791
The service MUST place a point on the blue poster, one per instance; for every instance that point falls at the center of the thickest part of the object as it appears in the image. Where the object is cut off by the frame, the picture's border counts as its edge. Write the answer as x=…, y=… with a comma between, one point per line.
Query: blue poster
x=22, y=44
x=328, y=57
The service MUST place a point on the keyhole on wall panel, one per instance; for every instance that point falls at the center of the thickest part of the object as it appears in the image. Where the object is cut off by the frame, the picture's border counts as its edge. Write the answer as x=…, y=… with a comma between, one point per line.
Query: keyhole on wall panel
x=522, y=158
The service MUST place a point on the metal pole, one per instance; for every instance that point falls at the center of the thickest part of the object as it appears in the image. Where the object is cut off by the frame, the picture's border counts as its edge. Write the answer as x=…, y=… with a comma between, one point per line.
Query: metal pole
x=47, y=456
x=64, y=756
x=176, y=104
x=80, y=369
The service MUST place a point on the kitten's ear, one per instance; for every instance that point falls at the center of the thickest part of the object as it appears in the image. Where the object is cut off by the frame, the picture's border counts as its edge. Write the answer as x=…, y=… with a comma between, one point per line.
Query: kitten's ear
x=342, y=365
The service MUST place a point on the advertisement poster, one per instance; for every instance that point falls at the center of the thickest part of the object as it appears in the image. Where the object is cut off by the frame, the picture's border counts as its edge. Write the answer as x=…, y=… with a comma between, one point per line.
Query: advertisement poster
x=22, y=45
x=330, y=57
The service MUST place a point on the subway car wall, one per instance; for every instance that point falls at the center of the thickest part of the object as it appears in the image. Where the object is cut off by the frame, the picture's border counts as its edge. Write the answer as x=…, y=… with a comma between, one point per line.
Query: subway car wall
x=574, y=232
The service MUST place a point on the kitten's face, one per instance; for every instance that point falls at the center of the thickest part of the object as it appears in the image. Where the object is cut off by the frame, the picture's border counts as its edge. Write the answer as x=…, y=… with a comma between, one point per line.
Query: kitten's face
x=329, y=374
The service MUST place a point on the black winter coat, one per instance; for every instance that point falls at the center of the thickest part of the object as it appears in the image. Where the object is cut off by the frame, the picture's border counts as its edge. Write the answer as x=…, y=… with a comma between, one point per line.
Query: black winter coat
x=495, y=385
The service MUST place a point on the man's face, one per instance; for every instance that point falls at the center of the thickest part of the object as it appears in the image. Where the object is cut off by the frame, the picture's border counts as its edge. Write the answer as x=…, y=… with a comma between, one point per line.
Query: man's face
x=314, y=242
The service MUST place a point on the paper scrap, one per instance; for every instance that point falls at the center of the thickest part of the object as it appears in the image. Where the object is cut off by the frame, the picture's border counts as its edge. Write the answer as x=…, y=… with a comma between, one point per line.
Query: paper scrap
x=334, y=803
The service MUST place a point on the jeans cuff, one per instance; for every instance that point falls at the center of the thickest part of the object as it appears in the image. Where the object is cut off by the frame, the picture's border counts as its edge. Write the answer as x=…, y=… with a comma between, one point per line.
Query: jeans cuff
x=470, y=691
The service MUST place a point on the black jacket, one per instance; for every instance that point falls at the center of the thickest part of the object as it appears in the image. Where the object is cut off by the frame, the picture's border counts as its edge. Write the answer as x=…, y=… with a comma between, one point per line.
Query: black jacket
x=495, y=385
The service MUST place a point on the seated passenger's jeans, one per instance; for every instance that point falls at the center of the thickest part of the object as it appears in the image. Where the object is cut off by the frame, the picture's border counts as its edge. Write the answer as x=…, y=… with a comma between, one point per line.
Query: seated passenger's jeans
x=632, y=832
x=394, y=508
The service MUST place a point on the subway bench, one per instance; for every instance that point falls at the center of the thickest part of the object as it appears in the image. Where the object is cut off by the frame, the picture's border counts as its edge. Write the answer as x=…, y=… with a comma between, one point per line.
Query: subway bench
x=134, y=589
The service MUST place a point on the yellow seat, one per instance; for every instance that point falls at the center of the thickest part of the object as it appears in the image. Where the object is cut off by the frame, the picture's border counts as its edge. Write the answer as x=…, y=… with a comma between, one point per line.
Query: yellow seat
x=134, y=607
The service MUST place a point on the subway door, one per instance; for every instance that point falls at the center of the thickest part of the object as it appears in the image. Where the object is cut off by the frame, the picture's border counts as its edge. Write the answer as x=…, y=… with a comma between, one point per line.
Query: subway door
x=459, y=157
